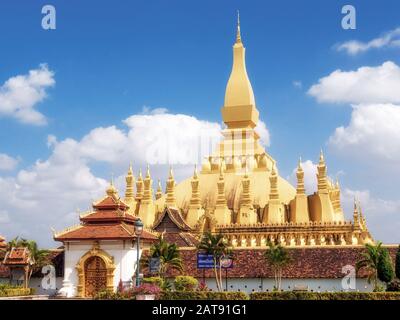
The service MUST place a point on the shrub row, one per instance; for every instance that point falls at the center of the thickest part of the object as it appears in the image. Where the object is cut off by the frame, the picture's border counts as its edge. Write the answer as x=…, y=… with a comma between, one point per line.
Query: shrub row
x=304, y=295
x=15, y=292
x=203, y=295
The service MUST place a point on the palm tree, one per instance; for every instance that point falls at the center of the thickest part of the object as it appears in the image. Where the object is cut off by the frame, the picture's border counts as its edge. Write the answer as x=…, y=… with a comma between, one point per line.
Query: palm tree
x=217, y=246
x=170, y=258
x=278, y=257
x=370, y=261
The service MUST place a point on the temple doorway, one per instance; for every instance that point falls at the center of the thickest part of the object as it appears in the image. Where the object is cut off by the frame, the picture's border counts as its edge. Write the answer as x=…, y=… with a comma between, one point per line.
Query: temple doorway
x=95, y=276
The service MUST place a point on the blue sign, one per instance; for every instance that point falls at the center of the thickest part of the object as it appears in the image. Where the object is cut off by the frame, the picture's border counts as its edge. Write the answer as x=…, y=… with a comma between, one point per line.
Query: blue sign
x=205, y=261
x=154, y=265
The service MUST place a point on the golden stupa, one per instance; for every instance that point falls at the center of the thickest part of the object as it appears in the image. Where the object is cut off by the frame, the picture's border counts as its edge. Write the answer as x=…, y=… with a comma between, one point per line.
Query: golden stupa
x=239, y=192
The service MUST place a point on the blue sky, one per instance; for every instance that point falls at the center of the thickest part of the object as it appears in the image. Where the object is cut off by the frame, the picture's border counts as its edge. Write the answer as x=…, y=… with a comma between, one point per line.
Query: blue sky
x=111, y=58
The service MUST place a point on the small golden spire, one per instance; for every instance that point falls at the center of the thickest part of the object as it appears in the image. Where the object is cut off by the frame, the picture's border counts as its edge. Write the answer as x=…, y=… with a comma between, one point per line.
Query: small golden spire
x=159, y=190
x=299, y=167
x=321, y=156
x=148, y=172
x=171, y=174
x=195, y=175
x=274, y=169
x=140, y=174
x=221, y=171
x=130, y=171
x=246, y=171
x=111, y=190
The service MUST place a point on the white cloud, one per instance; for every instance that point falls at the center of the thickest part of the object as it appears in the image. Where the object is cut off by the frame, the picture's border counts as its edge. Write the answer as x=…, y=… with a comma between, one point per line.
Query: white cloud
x=263, y=132
x=373, y=131
x=354, y=47
x=20, y=94
x=7, y=163
x=297, y=84
x=365, y=85
x=4, y=216
x=381, y=215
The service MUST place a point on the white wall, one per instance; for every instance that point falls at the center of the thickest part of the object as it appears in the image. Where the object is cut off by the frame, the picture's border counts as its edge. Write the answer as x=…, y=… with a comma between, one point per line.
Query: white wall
x=36, y=283
x=250, y=284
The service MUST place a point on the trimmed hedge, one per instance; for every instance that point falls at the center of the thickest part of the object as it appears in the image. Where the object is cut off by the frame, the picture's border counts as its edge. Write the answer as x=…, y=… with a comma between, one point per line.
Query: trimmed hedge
x=304, y=295
x=15, y=292
x=203, y=295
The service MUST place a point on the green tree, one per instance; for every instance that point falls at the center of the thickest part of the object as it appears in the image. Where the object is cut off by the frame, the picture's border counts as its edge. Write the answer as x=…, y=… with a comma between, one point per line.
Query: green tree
x=398, y=263
x=370, y=262
x=385, y=266
x=217, y=246
x=278, y=257
x=169, y=255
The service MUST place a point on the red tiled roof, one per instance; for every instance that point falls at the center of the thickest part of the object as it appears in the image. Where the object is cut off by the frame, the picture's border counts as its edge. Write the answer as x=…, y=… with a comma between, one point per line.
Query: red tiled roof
x=106, y=231
x=307, y=263
x=18, y=256
x=108, y=215
x=181, y=239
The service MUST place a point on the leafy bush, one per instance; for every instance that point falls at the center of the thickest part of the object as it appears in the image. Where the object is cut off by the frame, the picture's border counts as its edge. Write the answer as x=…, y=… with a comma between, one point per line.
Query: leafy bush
x=110, y=295
x=203, y=295
x=158, y=281
x=185, y=283
x=393, y=286
x=202, y=286
x=304, y=295
x=385, y=266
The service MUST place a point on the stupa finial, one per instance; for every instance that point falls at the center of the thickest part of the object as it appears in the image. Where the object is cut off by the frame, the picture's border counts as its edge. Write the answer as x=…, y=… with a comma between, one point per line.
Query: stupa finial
x=238, y=36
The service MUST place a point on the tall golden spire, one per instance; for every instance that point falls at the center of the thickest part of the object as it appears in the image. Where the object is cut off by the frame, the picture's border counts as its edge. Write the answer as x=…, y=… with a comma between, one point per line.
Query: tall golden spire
x=170, y=200
x=273, y=181
x=130, y=180
x=139, y=186
x=356, y=215
x=322, y=174
x=239, y=109
x=246, y=195
x=300, y=179
x=195, y=200
x=148, y=190
x=221, y=199
x=129, y=193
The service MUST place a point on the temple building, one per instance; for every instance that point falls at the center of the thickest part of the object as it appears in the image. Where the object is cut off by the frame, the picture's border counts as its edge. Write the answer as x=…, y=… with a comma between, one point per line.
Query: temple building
x=237, y=192
x=101, y=252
